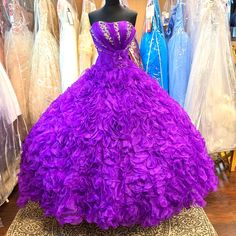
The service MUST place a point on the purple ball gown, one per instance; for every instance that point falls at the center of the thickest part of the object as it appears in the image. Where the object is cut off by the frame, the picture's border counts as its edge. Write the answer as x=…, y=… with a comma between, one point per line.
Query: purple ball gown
x=115, y=149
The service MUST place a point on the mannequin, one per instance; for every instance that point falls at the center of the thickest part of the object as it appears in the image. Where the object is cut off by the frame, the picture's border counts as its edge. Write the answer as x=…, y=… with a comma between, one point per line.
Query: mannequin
x=112, y=12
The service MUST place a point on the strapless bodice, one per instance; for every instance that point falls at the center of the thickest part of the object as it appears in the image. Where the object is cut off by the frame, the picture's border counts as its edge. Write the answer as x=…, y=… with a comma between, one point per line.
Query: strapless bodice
x=112, y=36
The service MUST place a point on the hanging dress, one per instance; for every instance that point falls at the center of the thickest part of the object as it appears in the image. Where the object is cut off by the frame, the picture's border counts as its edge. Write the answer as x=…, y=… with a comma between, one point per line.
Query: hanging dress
x=18, y=51
x=69, y=24
x=193, y=10
x=153, y=50
x=2, y=58
x=87, y=53
x=45, y=83
x=179, y=50
x=167, y=11
x=210, y=98
x=124, y=3
x=9, y=134
x=28, y=11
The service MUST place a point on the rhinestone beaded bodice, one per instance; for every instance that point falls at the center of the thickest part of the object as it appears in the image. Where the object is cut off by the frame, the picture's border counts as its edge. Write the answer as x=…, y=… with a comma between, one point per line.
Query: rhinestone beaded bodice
x=112, y=36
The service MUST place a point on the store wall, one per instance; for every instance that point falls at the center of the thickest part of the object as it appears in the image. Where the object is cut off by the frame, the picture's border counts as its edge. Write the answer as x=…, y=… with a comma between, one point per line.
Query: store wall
x=137, y=5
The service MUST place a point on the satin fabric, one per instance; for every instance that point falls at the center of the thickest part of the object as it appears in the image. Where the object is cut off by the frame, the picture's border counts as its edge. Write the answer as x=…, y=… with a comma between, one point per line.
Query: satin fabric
x=154, y=51
x=179, y=48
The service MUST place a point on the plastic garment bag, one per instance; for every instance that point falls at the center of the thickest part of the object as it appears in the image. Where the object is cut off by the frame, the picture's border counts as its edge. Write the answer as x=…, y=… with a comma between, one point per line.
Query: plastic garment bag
x=45, y=75
x=28, y=6
x=167, y=11
x=87, y=51
x=210, y=99
x=9, y=135
x=2, y=30
x=153, y=50
x=69, y=27
x=18, y=51
x=193, y=10
x=2, y=58
x=179, y=50
x=124, y=3
x=229, y=2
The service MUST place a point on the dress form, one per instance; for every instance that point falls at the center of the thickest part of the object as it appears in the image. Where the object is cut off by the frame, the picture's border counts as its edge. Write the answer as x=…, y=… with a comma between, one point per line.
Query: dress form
x=112, y=12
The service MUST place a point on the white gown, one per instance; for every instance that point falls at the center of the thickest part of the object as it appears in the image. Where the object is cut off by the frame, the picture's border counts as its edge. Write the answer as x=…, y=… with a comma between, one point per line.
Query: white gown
x=8, y=98
x=210, y=99
x=69, y=23
x=9, y=136
x=193, y=10
x=45, y=84
x=87, y=52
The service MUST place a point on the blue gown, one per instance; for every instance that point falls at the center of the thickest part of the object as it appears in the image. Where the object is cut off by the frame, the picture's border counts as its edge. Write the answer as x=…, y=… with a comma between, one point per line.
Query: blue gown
x=154, y=52
x=179, y=57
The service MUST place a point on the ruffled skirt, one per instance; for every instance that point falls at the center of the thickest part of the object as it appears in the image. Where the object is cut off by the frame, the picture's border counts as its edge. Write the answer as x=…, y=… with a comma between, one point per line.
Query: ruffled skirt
x=115, y=150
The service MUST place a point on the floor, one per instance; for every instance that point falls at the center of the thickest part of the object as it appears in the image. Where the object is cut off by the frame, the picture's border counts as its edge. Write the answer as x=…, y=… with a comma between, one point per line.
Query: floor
x=8, y=212
x=221, y=208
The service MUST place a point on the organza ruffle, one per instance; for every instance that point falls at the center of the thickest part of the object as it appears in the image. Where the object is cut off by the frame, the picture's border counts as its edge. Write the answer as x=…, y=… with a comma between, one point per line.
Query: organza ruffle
x=115, y=150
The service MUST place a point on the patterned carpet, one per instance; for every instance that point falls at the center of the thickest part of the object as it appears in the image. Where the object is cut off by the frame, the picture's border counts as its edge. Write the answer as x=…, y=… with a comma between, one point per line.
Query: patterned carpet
x=31, y=222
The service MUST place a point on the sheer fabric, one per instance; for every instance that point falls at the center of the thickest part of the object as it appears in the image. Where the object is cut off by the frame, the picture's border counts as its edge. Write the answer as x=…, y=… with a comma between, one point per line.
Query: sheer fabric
x=193, y=11
x=28, y=11
x=170, y=4
x=87, y=53
x=69, y=25
x=18, y=50
x=154, y=50
x=210, y=98
x=2, y=58
x=167, y=11
x=45, y=83
x=9, y=136
x=179, y=49
x=124, y=3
